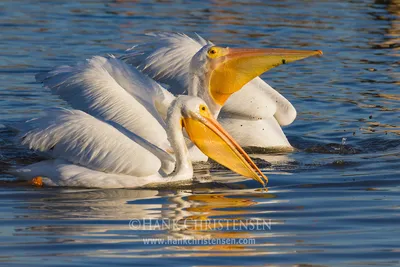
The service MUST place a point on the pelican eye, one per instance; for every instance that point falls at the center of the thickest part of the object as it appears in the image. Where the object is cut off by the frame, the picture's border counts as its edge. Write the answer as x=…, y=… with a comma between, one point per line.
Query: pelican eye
x=213, y=52
x=203, y=108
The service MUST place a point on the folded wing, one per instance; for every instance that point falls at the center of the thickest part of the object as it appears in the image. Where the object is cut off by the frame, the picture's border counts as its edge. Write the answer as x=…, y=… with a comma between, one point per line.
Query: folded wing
x=81, y=139
x=109, y=89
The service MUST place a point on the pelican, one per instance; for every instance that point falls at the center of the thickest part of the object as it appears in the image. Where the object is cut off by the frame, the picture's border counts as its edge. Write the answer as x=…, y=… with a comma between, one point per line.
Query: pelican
x=96, y=150
x=253, y=115
x=95, y=154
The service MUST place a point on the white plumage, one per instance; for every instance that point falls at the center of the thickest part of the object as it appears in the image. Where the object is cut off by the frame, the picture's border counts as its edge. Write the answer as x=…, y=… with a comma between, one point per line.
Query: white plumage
x=81, y=139
x=109, y=89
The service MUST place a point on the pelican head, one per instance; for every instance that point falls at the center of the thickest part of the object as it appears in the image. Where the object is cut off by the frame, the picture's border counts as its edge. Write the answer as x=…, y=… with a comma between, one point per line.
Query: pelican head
x=209, y=136
x=218, y=72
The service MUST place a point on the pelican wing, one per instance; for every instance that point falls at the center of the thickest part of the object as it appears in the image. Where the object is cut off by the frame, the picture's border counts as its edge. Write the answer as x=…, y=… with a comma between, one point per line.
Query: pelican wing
x=79, y=138
x=167, y=60
x=111, y=90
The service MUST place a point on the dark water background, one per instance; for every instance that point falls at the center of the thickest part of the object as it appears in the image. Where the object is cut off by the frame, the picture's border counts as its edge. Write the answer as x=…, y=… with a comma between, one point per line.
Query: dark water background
x=329, y=204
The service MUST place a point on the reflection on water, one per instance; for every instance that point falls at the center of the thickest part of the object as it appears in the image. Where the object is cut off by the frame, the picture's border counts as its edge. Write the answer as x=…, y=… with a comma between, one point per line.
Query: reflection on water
x=96, y=223
x=104, y=215
x=329, y=202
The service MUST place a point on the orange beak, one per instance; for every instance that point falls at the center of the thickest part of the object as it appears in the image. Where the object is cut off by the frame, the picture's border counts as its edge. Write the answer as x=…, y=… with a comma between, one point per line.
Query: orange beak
x=232, y=68
x=209, y=136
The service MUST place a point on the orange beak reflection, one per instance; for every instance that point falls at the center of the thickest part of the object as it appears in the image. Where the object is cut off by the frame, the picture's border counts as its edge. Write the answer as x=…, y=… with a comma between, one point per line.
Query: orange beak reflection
x=232, y=68
x=209, y=136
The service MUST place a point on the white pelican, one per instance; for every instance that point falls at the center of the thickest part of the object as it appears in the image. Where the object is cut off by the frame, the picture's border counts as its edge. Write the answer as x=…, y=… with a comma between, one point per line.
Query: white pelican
x=93, y=153
x=103, y=151
x=253, y=115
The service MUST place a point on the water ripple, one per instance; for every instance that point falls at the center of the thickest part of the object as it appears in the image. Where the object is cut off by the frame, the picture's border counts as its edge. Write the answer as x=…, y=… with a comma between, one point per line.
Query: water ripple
x=331, y=202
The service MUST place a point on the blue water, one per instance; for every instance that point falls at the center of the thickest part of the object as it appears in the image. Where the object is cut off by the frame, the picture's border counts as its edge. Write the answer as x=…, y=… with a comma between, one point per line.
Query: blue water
x=333, y=202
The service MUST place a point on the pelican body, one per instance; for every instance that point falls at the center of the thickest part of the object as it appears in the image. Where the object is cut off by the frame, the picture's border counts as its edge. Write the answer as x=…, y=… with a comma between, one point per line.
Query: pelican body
x=93, y=153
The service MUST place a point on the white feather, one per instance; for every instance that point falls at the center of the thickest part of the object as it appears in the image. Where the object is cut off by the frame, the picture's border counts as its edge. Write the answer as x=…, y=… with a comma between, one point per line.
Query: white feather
x=79, y=138
x=110, y=89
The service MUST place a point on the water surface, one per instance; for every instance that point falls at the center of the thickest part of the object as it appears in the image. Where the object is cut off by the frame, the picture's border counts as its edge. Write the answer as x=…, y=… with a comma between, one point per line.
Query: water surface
x=333, y=202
